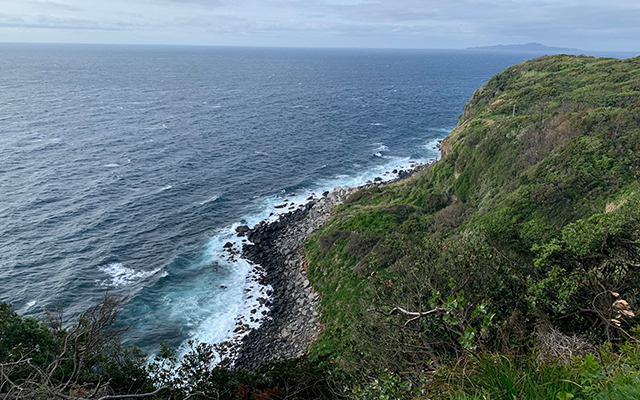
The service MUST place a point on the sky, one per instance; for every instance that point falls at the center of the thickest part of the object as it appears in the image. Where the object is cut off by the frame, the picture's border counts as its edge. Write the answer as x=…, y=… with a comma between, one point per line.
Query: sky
x=611, y=25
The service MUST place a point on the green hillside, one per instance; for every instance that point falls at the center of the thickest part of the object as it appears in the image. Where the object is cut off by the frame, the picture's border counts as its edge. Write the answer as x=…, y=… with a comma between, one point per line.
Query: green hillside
x=508, y=270
x=527, y=227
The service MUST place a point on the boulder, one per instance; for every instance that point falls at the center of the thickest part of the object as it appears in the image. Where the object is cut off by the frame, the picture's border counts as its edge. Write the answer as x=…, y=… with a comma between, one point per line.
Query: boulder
x=242, y=230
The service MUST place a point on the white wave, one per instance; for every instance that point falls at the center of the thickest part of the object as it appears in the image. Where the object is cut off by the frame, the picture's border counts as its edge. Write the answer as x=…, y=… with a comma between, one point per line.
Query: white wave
x=377, y=154
x=112, y=165
x=434, y=147
x=376, y=124
x=441, y=130
x=31, y=304
x=381, y=147
x=209, y=200
x=237, y=304
x=121, y=276
x=166, y=188
x=233, y=304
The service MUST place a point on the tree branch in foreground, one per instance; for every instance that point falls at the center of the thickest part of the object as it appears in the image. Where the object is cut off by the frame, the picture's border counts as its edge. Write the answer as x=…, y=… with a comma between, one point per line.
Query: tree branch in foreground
x=122, y=396
x=415, y=314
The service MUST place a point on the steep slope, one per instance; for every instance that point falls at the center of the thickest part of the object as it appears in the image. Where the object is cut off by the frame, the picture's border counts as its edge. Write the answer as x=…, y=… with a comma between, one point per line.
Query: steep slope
x=530, y=220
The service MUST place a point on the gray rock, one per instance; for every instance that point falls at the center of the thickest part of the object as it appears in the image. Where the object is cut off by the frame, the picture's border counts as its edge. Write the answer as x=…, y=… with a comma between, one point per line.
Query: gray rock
x=242, y=230
x=292, y=323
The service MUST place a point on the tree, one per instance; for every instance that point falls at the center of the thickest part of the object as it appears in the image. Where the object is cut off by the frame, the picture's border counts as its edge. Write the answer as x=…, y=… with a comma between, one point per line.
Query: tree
x=44, y=360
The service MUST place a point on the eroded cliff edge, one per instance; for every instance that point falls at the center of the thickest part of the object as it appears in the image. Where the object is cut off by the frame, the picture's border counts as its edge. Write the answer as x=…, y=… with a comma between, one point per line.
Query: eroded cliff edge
x=292, y=323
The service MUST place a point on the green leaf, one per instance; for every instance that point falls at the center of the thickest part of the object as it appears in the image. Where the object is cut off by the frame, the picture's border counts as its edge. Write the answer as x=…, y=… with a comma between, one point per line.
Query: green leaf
x=480, y=309
x=564, y=396
x=487, y=320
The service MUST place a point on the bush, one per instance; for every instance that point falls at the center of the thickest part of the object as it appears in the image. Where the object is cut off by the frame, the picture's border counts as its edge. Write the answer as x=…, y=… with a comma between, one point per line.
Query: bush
x=593, y=264
x=38, y=359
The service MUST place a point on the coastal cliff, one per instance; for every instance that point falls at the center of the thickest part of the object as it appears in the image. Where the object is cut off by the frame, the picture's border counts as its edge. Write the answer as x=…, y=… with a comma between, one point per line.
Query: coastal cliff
x=292, y=323
x=538, y=180
x=520, y=225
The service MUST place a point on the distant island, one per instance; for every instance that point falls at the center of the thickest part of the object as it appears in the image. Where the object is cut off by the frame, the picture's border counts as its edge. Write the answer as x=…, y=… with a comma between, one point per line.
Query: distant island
x=527, y=48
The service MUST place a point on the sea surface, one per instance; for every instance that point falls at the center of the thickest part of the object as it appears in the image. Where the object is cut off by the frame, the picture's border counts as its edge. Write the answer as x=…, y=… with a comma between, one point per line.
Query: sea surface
x=125, y=169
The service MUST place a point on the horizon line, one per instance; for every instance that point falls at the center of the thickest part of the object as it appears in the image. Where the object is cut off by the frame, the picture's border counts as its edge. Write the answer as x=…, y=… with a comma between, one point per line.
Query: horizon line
x=471, y=49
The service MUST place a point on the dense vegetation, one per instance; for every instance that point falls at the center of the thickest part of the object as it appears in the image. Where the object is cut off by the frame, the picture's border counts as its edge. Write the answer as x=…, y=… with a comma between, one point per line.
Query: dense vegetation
x=41, y=360
x=508, y=270
x=522, y=241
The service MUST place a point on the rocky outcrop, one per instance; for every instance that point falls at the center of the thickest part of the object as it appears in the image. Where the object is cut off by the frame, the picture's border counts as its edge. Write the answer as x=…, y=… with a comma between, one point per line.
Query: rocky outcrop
x=292, y=323
x=445, y=148
x=242, y=230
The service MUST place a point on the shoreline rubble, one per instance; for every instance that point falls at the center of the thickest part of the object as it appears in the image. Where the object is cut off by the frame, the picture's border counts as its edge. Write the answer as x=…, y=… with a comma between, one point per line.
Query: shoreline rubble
x=291, y=323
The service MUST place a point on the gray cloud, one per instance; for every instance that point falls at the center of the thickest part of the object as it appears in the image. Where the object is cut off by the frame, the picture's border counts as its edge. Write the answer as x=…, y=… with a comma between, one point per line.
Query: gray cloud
x=56, y=23
x=453, y=23
x=54, y=4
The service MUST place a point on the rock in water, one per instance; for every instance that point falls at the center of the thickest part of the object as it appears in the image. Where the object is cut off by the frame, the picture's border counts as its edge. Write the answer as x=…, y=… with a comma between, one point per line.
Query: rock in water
x=242, y=230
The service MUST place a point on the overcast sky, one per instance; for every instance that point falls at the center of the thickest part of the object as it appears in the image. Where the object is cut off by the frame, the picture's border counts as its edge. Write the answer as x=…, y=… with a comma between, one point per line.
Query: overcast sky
x=586, y=24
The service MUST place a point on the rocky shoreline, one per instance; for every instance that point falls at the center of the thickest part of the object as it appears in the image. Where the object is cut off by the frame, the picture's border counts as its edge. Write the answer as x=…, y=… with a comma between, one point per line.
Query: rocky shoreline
x=292, y=322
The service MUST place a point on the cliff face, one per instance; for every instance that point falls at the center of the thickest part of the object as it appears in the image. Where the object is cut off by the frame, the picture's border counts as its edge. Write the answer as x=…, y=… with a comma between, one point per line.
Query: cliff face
x=445, y=148
x=531, y=213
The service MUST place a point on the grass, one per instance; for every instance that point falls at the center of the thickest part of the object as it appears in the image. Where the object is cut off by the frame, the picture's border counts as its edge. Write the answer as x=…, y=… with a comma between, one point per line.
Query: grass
x=476, y=221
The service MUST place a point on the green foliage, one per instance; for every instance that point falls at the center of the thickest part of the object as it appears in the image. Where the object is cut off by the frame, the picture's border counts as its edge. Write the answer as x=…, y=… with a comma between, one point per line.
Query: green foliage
x=195, y=373
x=503, y=377
x=461, y=185
x=373, y=222
x=494, y=376
x=39, y=357
x=577, y=272
x=386, y=386
x=534, y=214
x=306, y=379
x=20, y=336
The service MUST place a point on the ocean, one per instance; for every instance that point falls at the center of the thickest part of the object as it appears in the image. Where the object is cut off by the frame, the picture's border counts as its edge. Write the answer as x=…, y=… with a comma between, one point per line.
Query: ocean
x=125, y=169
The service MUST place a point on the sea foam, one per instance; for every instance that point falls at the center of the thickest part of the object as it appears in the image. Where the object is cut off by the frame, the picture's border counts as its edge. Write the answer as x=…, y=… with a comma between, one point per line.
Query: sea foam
x=243, y=310
x=121, y=276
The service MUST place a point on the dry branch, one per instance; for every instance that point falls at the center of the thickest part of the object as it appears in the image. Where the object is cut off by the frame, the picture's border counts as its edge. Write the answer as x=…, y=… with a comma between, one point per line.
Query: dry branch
x=415, y=314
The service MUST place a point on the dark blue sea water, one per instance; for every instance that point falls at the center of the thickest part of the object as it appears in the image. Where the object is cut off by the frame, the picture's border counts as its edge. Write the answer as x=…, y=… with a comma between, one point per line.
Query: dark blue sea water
x=125, y=169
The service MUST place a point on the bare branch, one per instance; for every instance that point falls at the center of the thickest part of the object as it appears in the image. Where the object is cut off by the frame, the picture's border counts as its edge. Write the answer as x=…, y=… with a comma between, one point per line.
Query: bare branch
x=135, y=396
x=201, y=395
x=123, y=396
x=415, y=314
x=21, y=361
